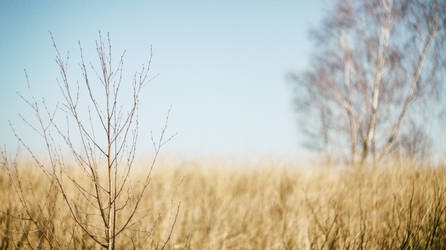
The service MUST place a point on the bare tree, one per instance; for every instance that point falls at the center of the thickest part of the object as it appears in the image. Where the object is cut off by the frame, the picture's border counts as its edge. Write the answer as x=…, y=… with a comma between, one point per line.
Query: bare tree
x=378, y=66
x=104, y=156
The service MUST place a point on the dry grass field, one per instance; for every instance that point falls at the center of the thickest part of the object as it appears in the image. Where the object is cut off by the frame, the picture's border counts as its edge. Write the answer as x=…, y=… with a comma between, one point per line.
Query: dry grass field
x=248, y=207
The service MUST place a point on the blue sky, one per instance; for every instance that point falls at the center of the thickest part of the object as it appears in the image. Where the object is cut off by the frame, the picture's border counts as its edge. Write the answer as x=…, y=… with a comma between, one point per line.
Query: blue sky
x=222, y=65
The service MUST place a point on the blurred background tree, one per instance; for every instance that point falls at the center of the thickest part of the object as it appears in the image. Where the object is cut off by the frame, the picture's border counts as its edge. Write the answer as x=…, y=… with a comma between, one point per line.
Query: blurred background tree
x=374, y=79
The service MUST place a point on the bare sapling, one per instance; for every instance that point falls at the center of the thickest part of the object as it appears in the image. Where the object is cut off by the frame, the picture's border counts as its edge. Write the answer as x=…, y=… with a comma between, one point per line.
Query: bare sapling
x=97, y=124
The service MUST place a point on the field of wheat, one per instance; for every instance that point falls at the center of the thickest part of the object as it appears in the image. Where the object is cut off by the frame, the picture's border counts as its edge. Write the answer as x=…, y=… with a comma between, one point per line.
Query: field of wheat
x=205, y=205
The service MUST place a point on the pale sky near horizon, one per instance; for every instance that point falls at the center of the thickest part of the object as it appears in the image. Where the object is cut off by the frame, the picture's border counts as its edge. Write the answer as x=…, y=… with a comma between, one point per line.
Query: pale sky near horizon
x=222, y=65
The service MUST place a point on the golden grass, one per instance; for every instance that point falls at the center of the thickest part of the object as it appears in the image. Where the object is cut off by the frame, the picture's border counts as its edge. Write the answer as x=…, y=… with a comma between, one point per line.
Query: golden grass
x=264, y=207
